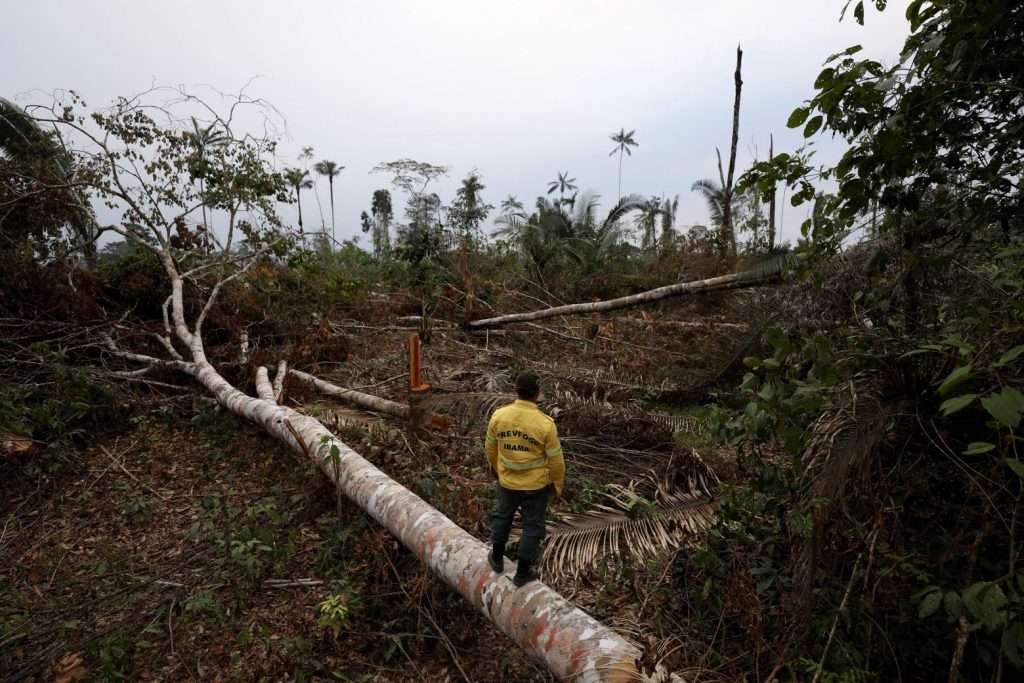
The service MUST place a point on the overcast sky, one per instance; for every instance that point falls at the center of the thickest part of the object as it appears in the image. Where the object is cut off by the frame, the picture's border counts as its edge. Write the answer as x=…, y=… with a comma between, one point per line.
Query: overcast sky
x=519, y=89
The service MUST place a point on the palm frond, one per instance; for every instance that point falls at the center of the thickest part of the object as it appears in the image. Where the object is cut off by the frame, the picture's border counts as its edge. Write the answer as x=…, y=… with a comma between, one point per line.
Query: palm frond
x=18, y=130
x=775, y=262
x=840, y=454
x=328, y=168
x=628, y=525
x=335, y=416
x=23, y=140
x=631, y=202
x=469, y=407
x=584, y=208
x=714, y=195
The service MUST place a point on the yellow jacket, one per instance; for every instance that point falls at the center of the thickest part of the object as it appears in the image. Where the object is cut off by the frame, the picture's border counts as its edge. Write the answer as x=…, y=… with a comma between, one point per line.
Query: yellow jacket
x=522, y=447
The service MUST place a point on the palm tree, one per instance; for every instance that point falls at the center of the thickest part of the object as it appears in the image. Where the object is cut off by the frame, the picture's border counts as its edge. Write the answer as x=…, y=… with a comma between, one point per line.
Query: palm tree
x=719, y=209
x=204, y=139
x=623, y=141
x=299, y=179
x=332, y=171
x=647, y=222
x=563, y=183
x=714, y=195
x=511, y=205
x=669, y=208
x=23, y=142
x=551, y=231
x=591, y=238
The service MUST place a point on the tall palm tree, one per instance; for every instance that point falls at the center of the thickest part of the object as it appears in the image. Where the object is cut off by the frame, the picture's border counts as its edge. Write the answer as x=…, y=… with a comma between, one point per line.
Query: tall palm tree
x=647, y=222
x=669, y=208
x=299, y=179
x=563, y=183
x=203, y=139
x=332, y=171
x=511, y=205
x=720, y=207
x=623, y=141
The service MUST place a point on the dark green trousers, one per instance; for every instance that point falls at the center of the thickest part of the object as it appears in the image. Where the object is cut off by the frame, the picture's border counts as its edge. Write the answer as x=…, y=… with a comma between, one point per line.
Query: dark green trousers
x=533, y=507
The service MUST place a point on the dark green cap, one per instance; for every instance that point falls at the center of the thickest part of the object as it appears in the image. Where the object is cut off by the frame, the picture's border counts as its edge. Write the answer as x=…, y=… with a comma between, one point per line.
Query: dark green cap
x=527, y=383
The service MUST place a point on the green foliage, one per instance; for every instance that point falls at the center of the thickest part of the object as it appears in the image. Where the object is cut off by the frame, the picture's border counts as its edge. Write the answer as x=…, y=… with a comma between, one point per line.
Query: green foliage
x=324, y=280
x=932, y=136
x=61, y=412
x=135, y=509
x=468, y=211
x=337, y=610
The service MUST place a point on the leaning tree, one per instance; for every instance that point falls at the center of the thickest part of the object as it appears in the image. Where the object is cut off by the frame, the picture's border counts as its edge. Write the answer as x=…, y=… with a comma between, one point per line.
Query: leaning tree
x=133, y=158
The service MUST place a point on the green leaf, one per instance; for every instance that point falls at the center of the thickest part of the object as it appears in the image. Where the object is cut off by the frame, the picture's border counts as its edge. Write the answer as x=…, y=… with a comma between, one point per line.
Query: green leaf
x=930, y=603
x=798, y=117
x=978, y=447
x=767, y=392
x=955, y=379
x=953, y=604
x=1005, y=407
x=952, y=405
x=1013, y=643
x=812, y=126
x=992, y=601
x=1010, y=356
x=858, y=12
x=1018, y=468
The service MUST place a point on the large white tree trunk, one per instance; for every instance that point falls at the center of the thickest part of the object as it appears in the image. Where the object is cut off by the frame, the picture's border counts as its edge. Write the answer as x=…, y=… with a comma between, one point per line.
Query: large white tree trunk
x=710, y=285
x=573, y=645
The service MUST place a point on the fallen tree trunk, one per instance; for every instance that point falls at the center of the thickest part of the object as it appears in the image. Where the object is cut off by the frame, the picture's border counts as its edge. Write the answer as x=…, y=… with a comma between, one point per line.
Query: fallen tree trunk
x=710, y=285
x=571, y=643
x=367, y=401
x=685, y=324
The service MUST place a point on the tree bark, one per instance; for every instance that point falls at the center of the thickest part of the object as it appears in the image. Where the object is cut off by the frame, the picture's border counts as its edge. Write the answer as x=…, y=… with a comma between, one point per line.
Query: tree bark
x=282, y=371
x=367, y=401
x=264, y=389
x=710, y=285
x=771, y=203
x=729, y=234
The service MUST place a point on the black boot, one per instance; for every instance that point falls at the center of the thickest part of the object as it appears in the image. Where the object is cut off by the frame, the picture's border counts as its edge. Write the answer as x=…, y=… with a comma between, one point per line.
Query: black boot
x=496, y=558
x=524, y=573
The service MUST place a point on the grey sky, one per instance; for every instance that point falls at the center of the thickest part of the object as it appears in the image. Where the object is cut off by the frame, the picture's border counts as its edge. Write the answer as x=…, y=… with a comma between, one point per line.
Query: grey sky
x=519, y=89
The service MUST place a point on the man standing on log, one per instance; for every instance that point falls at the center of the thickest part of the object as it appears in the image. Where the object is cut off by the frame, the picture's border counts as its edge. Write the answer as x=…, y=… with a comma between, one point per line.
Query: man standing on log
x=525, y=457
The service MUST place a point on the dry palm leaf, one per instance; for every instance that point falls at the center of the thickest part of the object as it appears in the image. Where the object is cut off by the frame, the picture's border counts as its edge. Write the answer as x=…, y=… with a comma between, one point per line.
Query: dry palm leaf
x=469, y=407
x=69, y=668
x=335, y=416
x=639, y=528
x=676, y=423
x=631, y=525
x=840, y=454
